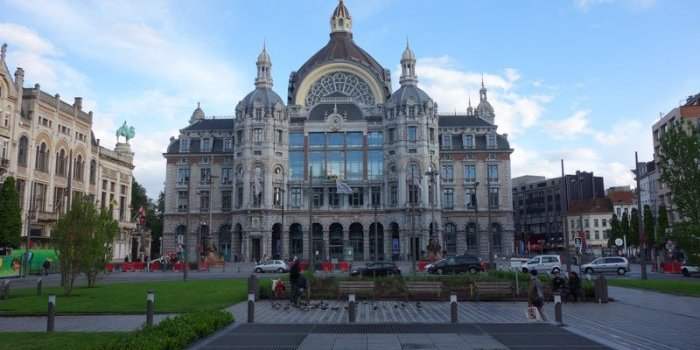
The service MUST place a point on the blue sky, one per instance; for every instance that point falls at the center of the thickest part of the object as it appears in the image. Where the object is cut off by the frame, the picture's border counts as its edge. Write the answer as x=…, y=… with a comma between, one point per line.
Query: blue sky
x=580, y=79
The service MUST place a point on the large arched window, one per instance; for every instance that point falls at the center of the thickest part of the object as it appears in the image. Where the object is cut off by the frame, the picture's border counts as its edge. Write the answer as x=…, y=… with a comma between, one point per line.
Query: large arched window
x=42, y=158
x=93, y=172
x=22, y=151
x=78, y=171
x=61, y=163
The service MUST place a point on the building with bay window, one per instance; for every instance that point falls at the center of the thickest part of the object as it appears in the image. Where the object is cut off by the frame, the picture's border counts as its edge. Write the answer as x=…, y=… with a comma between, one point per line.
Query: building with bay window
x=347, y=168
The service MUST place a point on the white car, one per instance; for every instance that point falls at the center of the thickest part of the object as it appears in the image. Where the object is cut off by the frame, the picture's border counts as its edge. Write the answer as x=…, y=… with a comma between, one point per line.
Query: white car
x=543, y=263
x=516, y=264
x=272, y=266
x=689, y=270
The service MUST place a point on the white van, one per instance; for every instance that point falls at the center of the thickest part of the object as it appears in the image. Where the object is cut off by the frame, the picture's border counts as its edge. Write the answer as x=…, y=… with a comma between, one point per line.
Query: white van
x=543, y=263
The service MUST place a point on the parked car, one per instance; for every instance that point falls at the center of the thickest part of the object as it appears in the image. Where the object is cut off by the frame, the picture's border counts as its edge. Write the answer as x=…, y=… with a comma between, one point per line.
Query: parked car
x=456, y=264
x=607, y=264
x=376, y=269
x=272, y=266
x=516, y=264
x=543, y=263
x=689, y=270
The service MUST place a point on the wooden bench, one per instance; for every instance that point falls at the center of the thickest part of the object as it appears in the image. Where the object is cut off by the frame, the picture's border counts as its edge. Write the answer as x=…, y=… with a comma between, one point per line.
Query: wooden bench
x=425, y=288
x=355, y=287
x=494, y=289
x=5, y=290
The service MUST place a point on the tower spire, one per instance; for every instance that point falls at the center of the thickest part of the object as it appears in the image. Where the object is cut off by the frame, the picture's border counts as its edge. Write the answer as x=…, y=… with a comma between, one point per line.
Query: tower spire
x=341, y=21
x=3, y=51
x=482, y=91
x=408, y=67
x=264, y=64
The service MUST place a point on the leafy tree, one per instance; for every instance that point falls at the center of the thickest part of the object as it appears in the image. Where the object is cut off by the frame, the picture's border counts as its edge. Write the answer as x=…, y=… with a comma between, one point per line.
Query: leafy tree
x=615, y=231
x=649, y=227
x=679, y=157
x=10, y=215
x=97, y=250
x=154, y=221
x=138, y=197
x=70, y=236
x=662, y=224
x=625, y=227
x=633, y=237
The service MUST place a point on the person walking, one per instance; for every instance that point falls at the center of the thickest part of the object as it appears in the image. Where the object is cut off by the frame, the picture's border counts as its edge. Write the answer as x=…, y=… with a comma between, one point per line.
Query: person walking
x=574, y=285
x=294, y=275
x=47, y=266
x=535, y=294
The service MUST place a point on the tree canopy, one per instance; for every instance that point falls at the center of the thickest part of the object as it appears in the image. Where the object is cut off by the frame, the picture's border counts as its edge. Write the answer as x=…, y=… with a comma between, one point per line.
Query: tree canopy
x=10, y=214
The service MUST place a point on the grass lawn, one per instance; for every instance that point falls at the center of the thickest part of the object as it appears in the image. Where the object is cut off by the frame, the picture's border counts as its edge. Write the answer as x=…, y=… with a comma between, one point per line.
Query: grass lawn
x=37, y=340
x=680, y=287
x=130, y=298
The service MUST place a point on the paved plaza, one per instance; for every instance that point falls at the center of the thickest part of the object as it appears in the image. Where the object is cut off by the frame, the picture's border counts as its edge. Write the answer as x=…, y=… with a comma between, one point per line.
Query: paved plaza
x=393, y=336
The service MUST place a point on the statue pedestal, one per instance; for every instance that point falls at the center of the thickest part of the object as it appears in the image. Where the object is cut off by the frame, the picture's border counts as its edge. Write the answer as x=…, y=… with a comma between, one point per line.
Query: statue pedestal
x=124, y=149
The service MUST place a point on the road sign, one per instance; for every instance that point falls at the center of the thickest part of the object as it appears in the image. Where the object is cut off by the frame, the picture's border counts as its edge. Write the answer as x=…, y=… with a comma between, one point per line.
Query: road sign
x=618, y=242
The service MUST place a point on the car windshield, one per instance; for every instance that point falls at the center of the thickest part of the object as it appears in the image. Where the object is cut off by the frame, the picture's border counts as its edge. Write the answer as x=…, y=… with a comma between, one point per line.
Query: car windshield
x=534, y=261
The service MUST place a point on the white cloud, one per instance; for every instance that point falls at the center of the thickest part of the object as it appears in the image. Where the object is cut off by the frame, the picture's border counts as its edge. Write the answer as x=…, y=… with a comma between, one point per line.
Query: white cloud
x=451, y=87
x=573, y=126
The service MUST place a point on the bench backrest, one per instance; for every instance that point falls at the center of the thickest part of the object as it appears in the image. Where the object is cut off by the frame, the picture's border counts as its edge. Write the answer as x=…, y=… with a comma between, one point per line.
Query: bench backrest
x=355, y=286
x=424, y=286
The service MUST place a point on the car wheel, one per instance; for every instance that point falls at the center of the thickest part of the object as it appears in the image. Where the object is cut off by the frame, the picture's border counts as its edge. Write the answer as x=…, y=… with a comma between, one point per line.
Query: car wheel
x=473, y=270
x=686, y=273
x=555, y=270
x=589, y=270
x=280, y=270
x=258, y=270
x=439, y=271
x=621, y=271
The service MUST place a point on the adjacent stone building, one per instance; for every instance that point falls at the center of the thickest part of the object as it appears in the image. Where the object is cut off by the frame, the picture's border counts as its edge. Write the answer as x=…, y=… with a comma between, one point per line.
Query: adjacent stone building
x=346, y=169
x=589, y=224
x=48, y=145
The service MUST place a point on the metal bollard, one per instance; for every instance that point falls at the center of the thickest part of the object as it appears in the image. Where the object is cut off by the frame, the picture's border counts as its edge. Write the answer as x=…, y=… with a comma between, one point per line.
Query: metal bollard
x=38, y=286
x=453, y=308
x=352, y=308
x=253, y=285
x=251, y=308
x=50, y=320
x=150, y=300
x=558, y=310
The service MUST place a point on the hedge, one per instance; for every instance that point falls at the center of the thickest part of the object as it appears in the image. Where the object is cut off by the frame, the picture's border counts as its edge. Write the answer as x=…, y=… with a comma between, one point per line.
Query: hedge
x=173, y=333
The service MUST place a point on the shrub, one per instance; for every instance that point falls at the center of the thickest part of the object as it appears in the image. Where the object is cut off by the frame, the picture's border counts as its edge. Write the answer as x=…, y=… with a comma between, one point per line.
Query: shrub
x=173, y=333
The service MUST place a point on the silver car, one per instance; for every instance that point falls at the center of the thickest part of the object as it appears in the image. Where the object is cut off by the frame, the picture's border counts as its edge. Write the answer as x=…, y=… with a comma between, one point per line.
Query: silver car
x=607, y=264
x=272, y=266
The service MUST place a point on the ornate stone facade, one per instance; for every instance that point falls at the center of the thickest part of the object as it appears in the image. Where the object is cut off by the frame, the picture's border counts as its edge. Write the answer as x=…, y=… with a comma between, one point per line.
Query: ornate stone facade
x=414, y=175
x=48, y=146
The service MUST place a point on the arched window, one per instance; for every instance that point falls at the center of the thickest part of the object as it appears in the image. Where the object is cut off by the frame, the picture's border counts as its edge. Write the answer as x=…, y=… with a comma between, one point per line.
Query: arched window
x=22, y=151
x=42, y=158
x=413, y=174
x=61, y=163
x=78, y=171
x=93, y=172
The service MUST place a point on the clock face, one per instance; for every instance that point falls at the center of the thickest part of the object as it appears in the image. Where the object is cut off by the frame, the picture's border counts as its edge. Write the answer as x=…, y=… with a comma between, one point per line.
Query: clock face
x=335, y=121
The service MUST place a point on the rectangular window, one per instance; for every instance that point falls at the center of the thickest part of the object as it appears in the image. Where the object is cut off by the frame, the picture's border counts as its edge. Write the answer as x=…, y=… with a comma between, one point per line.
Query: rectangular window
x=296, y=140
x=597, y=234
x=375, y=164
x=355, y=140
x=356, y=199
x=317, y=164
x=585, y=223
x=411, y=111
x=280, y=136
x=411, y=134
x=335, y=161
x=239, y=197
x=228, y=144
x=258, y=135
x=204, y=200
x=204, y=175
x=447, y=173
x=413, y=193
x=296, y=165
x=470, y=198
x=226, y=176
x=491, y=140
x=605, y=222
x=448, y=198
x=318, y=197
x=493, y=197
x=394, y=195
x=595, y=222
x=206, y=145
x=432, y=135
x=258, y=114
x=392, y=135
x=184, y=145
x=492, y=173
x=469, y=173
x=446, y=141
x=103, y=200
x=122, y=207
x=123, y=190
x=317, y=140
x=239, y=137
x=183, y=176
x=375, y=138
x=333, y=197
x=182, y=201
x=336, y=139
x=468, y=141
x=295, y=197
x=355, y=165
x=226, y=200
x=376, y=196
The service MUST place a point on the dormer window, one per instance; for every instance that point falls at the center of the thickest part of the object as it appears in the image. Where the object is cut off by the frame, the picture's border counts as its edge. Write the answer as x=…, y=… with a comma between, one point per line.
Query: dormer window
x=446, y=141
x=258, y=114
x=206, y=145
x=468, y=141
x=184, y=145
x=491, y=140
x=228, y=144
x=412, y=111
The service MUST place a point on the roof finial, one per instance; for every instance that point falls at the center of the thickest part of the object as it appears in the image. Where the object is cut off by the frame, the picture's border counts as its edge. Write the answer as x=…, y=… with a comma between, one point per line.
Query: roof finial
x=3, y=51
x=197, y=104
x=470, y=101
x=482, y=80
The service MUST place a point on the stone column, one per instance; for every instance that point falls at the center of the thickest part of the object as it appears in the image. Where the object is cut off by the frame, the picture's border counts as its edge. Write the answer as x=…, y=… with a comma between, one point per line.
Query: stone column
x=285, y=241
x=365, y=244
